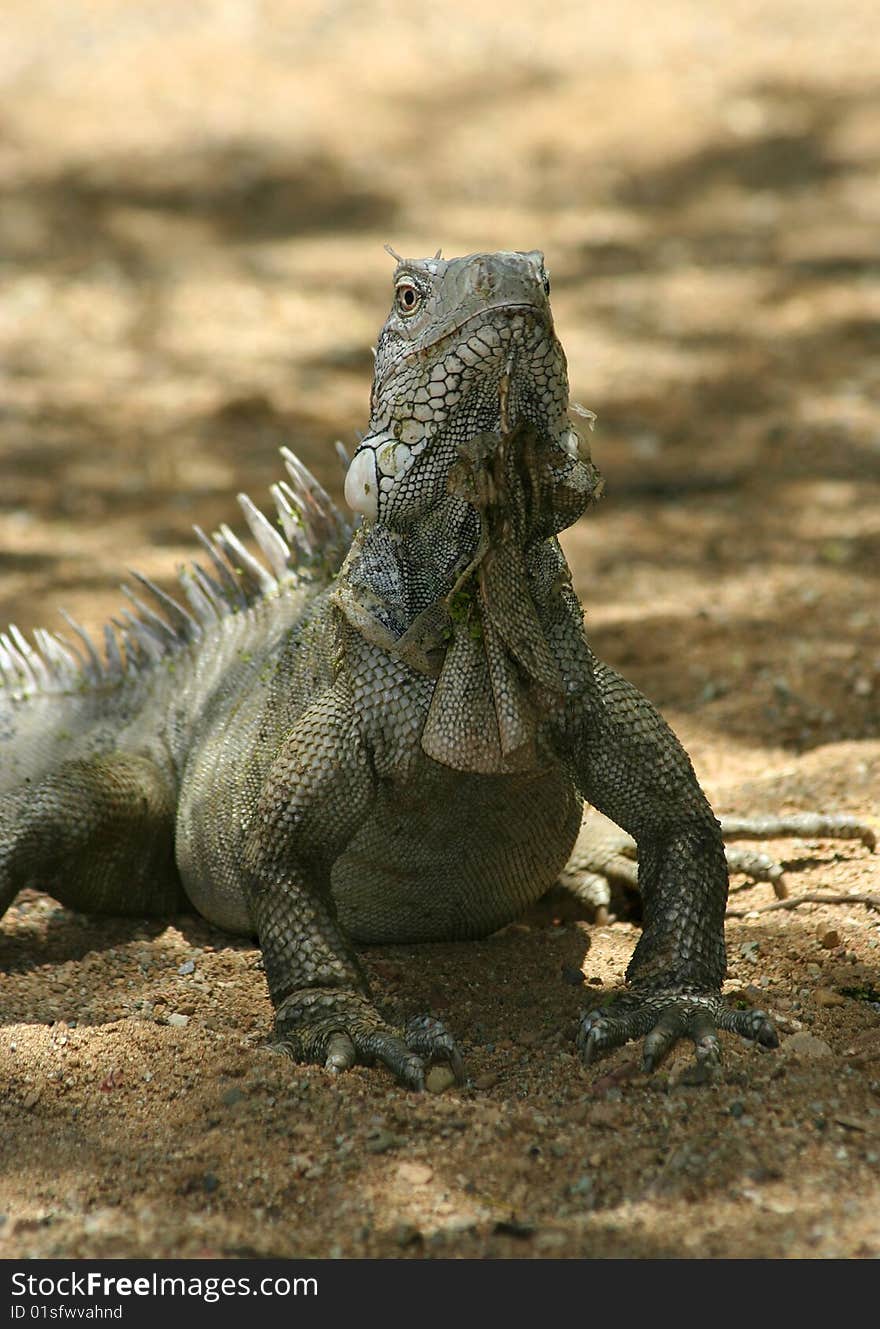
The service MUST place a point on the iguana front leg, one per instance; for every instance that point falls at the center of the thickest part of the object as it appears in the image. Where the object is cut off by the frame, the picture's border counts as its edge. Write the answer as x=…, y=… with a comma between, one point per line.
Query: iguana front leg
x=317, y=793
x=629, y=764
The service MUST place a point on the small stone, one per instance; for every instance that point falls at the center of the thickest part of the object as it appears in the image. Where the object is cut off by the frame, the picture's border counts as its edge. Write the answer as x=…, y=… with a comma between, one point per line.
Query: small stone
x=828, y=938
x=486, y=1081
x=188, y=967
x=379, y=1142
x=806, y=1046
x=828, y=997
x=737, y=1108
x=698, y=1072
x=178, y=1019
x=853, y=1123
x=414, y=1174
x=405, y=1234
x=513, y=1227
x=231, y=1097
x=209, y=1183
x=550, y=1240
x=604, y=1116
x=438, y=1079
x=572, y=975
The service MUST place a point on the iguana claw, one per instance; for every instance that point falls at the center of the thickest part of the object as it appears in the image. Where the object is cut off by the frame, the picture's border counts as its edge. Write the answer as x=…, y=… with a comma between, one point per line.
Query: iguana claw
x=428, y=1038
x=664, y=1018
x=341, y=1029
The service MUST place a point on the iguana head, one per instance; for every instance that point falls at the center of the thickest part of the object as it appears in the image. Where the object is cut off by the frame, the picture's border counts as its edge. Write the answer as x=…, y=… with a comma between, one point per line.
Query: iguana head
x=468, y=349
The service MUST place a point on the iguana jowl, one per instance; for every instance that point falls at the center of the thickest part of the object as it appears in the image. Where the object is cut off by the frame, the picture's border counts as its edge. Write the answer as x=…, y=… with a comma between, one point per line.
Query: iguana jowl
x=396, y=753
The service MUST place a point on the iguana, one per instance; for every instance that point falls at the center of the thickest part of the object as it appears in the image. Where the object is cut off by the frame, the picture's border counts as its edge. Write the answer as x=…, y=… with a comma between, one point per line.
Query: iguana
x=388, y=744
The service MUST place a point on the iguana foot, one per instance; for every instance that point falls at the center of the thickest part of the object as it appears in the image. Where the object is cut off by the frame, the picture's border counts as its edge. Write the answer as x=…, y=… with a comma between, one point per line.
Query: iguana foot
x=602, y=867
x=799, y=825
x=665, y=1017
x=341, y=1029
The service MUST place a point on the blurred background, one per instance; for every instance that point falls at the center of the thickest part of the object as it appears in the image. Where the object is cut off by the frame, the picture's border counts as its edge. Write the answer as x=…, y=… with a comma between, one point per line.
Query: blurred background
x=193, y=205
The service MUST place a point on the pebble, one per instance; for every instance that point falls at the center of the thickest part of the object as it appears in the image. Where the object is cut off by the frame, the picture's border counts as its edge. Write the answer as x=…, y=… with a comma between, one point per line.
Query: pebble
x=405, y=1234
x=486, y=1081
x=807, y=1046
x=604, y=1116
x=550, y=1240
x=379, y=1142
x=415, y=1174
x=696, y=1073
x=188, y=967
x=513, y=1227
x=178, y=1020
x=828, y=997
x=438, y=1079
x=853, y=1123
x=231, y=1097
x=828, y=938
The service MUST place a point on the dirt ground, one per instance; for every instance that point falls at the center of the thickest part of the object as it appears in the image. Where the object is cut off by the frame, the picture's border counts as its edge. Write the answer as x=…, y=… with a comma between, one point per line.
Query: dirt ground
x=193, y=203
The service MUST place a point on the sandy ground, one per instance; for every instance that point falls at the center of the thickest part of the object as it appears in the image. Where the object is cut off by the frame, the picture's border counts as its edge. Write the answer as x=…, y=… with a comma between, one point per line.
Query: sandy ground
x=193, y=203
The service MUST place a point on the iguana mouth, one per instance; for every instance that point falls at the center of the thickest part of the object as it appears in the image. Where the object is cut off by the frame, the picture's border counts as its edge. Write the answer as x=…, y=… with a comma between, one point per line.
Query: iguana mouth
x=504, y=306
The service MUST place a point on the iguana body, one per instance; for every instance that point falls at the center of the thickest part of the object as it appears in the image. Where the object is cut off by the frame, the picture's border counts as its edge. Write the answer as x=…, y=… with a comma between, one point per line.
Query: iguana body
x=396, y=753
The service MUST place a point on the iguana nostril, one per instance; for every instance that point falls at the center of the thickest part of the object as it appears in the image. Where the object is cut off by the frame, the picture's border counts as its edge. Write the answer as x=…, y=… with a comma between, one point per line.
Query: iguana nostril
x=484, y=279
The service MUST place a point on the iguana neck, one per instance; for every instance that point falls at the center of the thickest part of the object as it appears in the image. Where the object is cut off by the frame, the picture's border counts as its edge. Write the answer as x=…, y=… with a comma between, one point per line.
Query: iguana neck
x=400, y=574
x=470, y=591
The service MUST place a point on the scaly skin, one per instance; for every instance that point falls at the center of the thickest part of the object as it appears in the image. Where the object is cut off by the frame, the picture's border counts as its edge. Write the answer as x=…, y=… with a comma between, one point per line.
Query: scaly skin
x=397, y=753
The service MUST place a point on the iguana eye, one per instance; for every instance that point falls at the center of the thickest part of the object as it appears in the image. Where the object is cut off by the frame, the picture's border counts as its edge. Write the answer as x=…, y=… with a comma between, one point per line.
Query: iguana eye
x=408, y=297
